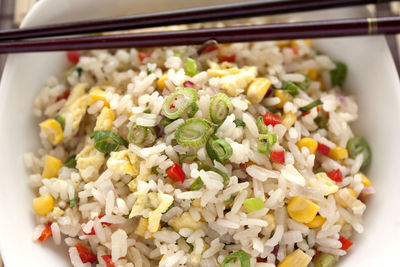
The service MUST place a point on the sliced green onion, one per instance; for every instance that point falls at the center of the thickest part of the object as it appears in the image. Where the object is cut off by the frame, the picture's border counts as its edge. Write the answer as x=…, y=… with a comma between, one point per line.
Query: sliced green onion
x=137, y=134
x=358, y=145
x=305, y=84
x=229, y=200
x=107, y=141
x=190, y=245
x=170, y=207
x=71, y=162
x=338, y=74
x=262, y=128
x=210, y=151
x=79, y=70
x=196, y=185
x=166, y=121
x=311, y=105
x=322, y=122
x=290, y=87
x=60, y=120
x=148, y=111
x=265, y=142
x=151, y=136
x=194, y=110
x=178, y=102
x=242, y=256
x=325, y=260
x=177, y=54
x=220, y=107
x=190, y=67
x=193, y=132
x=154, y=170
x=183, y=158
x=72, y=203
x=204, y=166
x=239, y=123
x=272, y=109
x=148, y=71
x=253, y=204
x=222, y=149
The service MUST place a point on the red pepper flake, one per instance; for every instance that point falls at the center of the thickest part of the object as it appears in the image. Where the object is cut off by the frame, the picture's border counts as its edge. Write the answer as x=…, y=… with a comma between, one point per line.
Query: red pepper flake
x=65, y=95
x=104, y=223
x=73, y=57
x=259, y=259
x=323, y=149
x=335, y=175
x=308, y=112
x=207, y=48
x=295, y=50
x=46, y=233
x=243, y=165
x=93, y=232
x=278, y=156
x=108, y=260
x=171, y=106
x=346, y=244
x=85, y=254
x=188, y=84
x=143, y=55
x=271, y=119
x=230, y=58
x=176, y=173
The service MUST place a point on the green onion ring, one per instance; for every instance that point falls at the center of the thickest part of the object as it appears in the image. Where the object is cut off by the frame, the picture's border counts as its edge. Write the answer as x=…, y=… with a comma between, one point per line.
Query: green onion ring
x=222, y=149
x=193, y=132
x=178, y=102
x=137, y=134
x=241, y=255
x=102, y=138
x=220, y=107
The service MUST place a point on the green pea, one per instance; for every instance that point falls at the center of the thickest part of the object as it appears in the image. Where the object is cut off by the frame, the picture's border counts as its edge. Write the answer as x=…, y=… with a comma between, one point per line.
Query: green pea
x=325, y=260
x=358, y=145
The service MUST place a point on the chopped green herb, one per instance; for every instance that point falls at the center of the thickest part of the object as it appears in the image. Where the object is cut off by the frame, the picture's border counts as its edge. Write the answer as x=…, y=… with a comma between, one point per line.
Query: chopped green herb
x=242, y=256
x=204, y=166
x=190, y=67
x=290, y=87
x=178, y=102
x=272, y=109
x=358, y=145
x=311, y=105
x=190, y=245
x=60, y=120
x=79, y=70
x=148, y=71
x=71, y=162
x=318, y=170
x=239, y=123
x=166, y=121
x=305, y=84
x=338, y=74
x=220, y=107
x=107, y=141
x=154, y=170
x=229, y=200
x=193, y=132
x=196, y=185
x=148, y=111
x=170, y=207
x=72, y=203
x=322, y=122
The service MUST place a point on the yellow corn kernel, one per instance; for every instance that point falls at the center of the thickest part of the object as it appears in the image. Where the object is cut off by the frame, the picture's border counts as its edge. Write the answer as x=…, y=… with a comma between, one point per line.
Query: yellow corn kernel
x=302, y=210
x=288, y=119
x=270, y=219
x=338, y=153
x=105, y=119
x=313, y=74
x=295, y=259
x=345, y=196
x=309, y=143
x=51, y=167
x=196, y=203
x=97, y=94
x=284, y=96
x=141, y=228
x=257, y=89
x=161, y=81
x=43, y=204
x=282, y=44
x=53, y=130
x=364, y=180
x=317, y=222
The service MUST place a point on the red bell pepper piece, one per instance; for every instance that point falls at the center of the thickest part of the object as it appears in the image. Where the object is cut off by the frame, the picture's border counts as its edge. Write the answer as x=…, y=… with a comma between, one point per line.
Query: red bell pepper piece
x=335, y=175
x=346, y=244
x=270, y=118
x=323, y=149
x=278, y=156
x=85, y=254
x=46, y=233
x=108, y=260
x=176, y=173
x=65, y=95
x=222, y=58
x=188, y=84
x=143, y=55
x=73, y=57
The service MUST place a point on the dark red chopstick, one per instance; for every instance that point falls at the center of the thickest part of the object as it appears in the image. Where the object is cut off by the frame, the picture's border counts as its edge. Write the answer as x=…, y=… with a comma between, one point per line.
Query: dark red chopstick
x=309, y=29
x=212, y=13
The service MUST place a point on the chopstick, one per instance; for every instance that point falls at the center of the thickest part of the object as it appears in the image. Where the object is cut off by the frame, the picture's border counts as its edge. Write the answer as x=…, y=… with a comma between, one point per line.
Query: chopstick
x=185, y=16
x=282, y=31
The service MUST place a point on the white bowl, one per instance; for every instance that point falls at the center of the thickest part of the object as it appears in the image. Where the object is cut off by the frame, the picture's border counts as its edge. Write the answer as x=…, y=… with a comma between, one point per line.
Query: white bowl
x=372, y=78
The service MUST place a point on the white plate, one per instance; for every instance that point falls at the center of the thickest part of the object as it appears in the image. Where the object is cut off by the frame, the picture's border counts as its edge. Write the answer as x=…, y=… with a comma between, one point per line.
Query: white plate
x=372, y=78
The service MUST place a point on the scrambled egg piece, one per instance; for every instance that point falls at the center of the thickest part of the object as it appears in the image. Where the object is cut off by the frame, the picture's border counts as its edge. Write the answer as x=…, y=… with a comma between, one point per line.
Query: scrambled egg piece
x=140, y=204
x=232, y=77
x=322, y=180
x=76, y=106
x=165, y=201
x=105, y=119
x=89, y=157
x=185, y=220
x=124, y=162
